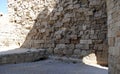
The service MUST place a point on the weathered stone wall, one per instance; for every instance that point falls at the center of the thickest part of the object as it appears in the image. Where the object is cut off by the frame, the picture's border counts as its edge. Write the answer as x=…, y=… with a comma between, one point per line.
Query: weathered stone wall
x=113, y=8
x=22, y=55
x=10, y=34
x=73, y=28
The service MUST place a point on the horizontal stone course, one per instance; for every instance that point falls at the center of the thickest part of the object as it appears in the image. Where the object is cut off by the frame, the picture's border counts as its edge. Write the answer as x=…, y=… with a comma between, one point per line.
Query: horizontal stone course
x=22, y=55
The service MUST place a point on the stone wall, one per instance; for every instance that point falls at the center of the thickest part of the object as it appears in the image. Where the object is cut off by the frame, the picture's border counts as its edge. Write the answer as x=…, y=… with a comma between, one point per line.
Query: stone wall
x=73, y=28
x=9, y=33
x=22, y=55
x=113, y=8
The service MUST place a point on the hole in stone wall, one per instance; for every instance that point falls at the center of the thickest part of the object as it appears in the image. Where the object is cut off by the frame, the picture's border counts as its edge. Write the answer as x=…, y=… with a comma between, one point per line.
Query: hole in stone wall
x=85, y=30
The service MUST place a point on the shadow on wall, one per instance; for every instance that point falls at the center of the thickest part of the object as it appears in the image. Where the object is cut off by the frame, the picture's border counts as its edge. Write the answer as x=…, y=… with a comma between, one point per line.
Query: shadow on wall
x=73, y=29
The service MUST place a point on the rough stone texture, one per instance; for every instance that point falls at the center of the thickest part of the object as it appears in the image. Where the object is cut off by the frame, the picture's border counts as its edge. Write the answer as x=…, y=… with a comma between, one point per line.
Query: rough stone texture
x=21, y=55
x=113, y=8
x=73, y=28
x=11, y=35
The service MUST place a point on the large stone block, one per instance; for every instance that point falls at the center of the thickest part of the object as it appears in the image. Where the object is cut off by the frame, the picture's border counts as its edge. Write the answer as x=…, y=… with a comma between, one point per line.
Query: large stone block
x=77, y=52
x=22, y=55
x=82, y=46
x=85, y=41
x=59, y=49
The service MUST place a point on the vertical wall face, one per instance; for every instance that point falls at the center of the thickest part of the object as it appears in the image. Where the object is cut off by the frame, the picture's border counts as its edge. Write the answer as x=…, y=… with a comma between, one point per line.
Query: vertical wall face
x=113, y=8
x=72, y=28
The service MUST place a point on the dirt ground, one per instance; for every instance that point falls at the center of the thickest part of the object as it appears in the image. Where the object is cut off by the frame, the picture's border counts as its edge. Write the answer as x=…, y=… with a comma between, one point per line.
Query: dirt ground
x=51, y=67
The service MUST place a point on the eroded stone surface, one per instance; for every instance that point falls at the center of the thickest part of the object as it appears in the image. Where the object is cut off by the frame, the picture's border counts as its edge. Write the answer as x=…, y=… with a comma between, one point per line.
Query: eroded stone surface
x=66, y=22
x=22, y=55
x=114, y=35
